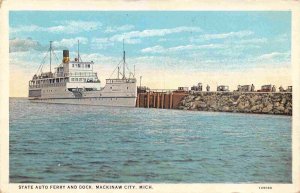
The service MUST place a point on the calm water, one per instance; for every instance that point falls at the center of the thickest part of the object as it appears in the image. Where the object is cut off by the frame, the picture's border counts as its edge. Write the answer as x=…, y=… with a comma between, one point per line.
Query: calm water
x=73, y=143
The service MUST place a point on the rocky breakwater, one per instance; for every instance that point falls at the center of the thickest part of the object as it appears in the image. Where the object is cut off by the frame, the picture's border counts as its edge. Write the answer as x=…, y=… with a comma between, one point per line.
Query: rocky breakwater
x=251, y=102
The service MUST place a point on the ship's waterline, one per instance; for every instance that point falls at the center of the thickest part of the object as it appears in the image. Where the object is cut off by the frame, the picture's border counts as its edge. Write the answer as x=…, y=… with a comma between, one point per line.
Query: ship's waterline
x=96, y=101
x=51, y=143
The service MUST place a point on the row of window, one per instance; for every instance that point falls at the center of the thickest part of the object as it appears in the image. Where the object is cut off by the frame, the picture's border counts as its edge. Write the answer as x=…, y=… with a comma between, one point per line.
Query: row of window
x=81, y=79
x=81, y=65
x=44, y=91
x=50, y=90
x=98, y=99
x=111, y=87
x=49, y=81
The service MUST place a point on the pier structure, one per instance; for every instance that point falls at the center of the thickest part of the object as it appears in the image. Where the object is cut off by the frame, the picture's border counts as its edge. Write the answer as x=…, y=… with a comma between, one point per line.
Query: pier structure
x=160, y=98
x=279, y=103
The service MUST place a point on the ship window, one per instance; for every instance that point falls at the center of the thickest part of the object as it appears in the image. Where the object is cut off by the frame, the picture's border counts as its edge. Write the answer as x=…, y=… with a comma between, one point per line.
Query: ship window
x=88, y=66
x=73, y=65
x=78, y=65
x=76, y=79
x=80, y=79
x=72, y=79
x=127, y=87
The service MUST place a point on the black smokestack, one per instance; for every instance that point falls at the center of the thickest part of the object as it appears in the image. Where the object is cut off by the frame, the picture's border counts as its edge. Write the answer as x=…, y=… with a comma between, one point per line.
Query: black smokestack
x=66, y=58
x=65, y=53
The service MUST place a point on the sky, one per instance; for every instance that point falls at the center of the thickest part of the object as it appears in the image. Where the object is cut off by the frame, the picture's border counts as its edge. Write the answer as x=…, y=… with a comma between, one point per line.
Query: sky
x=168, y=48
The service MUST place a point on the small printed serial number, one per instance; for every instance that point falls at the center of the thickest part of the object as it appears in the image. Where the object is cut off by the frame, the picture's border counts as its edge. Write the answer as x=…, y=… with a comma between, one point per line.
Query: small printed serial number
x=265, y=187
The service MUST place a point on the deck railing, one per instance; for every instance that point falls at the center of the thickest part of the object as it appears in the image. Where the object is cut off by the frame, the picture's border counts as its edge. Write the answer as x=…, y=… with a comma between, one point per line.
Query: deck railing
x=48, y=85
x=75, y=74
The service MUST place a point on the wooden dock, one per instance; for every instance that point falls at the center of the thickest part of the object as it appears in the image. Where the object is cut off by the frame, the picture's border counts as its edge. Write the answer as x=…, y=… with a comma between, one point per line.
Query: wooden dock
x=163, y=100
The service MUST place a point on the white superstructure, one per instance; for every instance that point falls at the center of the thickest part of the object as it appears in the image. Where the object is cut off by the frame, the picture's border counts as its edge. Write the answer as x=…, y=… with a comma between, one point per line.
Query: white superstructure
x=75, y=82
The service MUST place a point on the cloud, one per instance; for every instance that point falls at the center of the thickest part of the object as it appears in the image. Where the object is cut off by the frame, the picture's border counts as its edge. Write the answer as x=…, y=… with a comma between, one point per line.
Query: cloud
x=153, y=33
x=283, y=38
x=275, y=56
x=112, y=29
x=75, y=26
x=160, y=49
x=222, y=36
x=23, y=45
x=99, y=58
x=154, y=49
x=68, y=27
x=238, y=34
x=252, y=41
x=244, y=47
x=68, y=43
x=135, y=37
x=25, y=28
x=101, y=43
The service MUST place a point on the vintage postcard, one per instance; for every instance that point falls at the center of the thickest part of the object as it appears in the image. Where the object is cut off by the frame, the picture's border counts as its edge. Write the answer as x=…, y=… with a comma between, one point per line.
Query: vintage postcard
x=149, y=96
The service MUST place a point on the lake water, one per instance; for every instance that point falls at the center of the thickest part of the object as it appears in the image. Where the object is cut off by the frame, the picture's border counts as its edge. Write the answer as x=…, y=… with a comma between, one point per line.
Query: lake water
x=52, y=143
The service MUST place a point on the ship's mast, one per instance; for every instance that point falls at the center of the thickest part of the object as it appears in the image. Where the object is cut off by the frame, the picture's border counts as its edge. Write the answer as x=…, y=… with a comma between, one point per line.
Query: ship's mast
x=133, y=71
x=123, y=61
x=78, y=50
x=118, y=72
x=50, y=54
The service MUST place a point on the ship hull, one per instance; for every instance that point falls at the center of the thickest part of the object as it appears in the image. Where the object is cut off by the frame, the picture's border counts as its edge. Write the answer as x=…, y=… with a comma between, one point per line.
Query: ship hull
x=117, y=92
x=95, y=101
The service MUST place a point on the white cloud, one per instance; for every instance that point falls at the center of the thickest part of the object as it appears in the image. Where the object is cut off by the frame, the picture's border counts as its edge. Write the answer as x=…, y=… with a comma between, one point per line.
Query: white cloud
x=101, y=43
x=154, y=49
x=153, y=33
x=222, y=36
x=282, y=38
x=29, y=61
x=112, y=29
x=73, y=26
x=160, y=49
x=238, y=34
x=68, y=27
x=25, y=28
x=134, y=37
x=162, y=40
x=275, y=56
x=68, y=43
x=23, y=45
x=252, y=41
x=99, y=58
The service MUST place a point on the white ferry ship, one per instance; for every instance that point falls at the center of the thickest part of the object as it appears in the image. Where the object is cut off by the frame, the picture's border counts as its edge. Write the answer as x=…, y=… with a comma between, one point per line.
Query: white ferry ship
x=75, y=82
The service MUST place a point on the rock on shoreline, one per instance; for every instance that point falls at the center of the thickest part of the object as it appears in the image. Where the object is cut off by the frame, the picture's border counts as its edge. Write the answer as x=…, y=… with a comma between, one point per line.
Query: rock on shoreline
x=255, y=102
